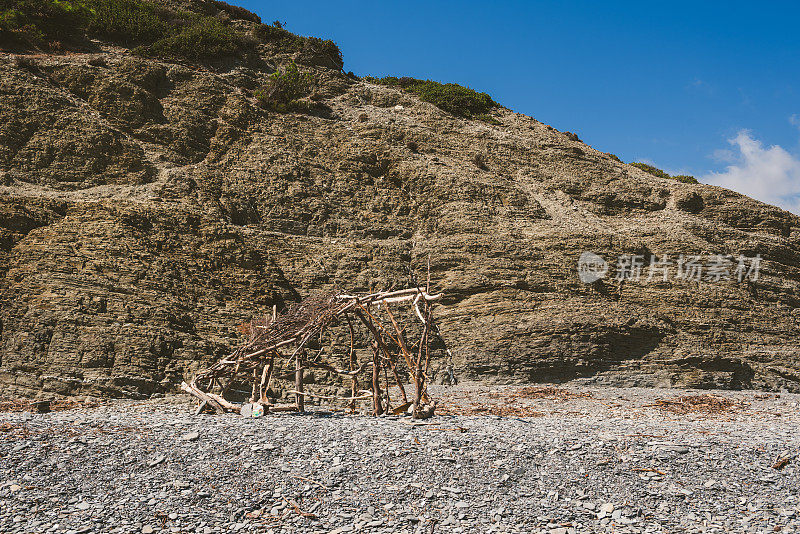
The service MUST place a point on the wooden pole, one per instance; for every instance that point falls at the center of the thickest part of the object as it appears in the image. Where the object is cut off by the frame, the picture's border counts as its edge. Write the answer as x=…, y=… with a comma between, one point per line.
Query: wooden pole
x=427, y=348
x=353, y=363
x=388, y=396
x=418, y=378
x=376, y=380
x=298, y=383
x=255, y=384
x=266, y=376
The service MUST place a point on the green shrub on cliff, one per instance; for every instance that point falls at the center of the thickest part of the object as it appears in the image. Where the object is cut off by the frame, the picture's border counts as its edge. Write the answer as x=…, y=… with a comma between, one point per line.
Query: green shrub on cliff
x=155, y=30
x=41, y=23
x=655, y=171
x=287, y=42
x=283, y=89
x=450, y=97
x=236, y=12
x=324, y=47
x=164, y=33
x=200, y=39
x=49, y=23
x=129, y=22
x=275, y=33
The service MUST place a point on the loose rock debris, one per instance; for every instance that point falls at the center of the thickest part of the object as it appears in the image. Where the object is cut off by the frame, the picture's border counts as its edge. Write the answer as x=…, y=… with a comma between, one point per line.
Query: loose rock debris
x=13, y=430
x=621, y=469
x=510, y=403
x=44, y=406
x=542, y=392
x=783, y=462
x=502, y=410
x=708, y=404
x=285, y=347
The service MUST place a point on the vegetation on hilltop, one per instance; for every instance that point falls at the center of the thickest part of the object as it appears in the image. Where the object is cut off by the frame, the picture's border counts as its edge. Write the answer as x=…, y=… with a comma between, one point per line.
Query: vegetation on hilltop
x=450, y=97
x=151, y=29
x=127, y=22
x=655, y=171
x=41, y=23
x=235, y=12
x=275, y=34
x=200, y=39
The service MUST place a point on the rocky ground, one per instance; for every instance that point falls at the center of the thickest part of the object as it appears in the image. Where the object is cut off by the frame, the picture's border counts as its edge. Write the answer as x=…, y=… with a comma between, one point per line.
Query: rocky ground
x=558, y=460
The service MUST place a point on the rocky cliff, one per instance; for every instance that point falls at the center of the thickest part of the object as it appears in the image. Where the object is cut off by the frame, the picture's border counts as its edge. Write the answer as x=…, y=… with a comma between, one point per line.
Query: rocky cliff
x=151, y=205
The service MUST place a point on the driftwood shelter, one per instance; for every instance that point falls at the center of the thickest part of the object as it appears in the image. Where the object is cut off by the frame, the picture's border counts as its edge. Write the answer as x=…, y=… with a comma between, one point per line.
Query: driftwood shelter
x=398, y=326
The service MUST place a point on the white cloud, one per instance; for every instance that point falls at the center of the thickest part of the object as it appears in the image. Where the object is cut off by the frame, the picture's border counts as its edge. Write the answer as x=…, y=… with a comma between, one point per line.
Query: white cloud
x=770, y=174
x=724, y=155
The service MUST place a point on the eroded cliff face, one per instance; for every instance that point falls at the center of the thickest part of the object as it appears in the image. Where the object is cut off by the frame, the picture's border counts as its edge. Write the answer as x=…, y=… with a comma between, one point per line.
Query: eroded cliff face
x=149, y=208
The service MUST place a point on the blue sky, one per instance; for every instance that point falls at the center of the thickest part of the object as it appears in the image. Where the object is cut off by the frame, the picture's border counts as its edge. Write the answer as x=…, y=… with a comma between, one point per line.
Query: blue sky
x=710, y=89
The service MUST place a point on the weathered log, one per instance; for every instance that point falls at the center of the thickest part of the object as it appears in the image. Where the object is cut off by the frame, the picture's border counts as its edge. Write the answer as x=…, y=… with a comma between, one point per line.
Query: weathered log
x=331, y=397
x=403, y=408
x=283, y=408
x=328, y=367
x=203, y=397
x=227, y=405
x=394, y=297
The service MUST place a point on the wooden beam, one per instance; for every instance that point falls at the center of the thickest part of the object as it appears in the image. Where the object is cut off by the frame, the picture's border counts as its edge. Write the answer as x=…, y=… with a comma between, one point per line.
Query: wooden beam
x=298, y=384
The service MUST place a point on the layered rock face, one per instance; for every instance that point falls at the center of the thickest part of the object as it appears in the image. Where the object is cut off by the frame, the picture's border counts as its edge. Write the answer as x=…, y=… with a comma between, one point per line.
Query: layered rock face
x=149, y=208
